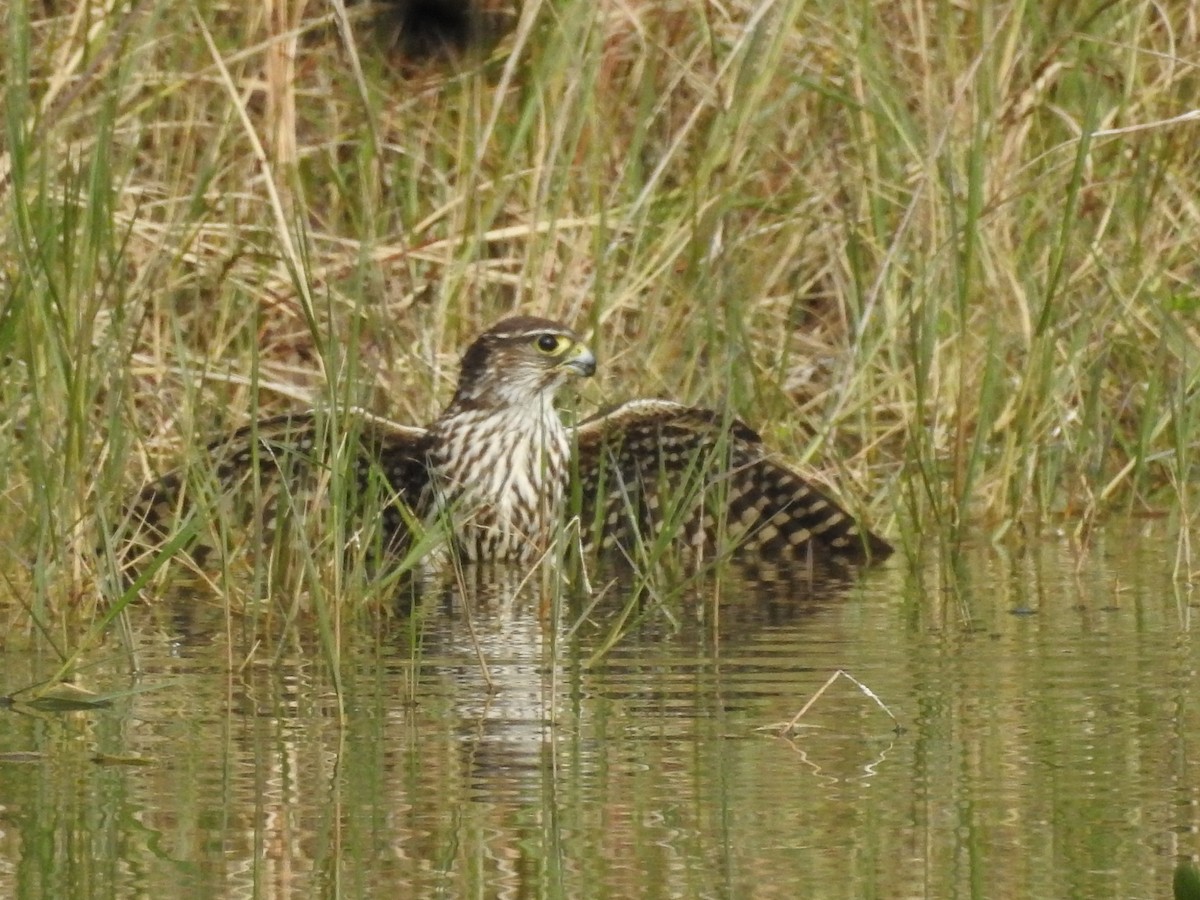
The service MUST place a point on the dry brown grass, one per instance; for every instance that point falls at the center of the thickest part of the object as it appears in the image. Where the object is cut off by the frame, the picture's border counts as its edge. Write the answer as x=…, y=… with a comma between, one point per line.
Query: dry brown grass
x=946, y=250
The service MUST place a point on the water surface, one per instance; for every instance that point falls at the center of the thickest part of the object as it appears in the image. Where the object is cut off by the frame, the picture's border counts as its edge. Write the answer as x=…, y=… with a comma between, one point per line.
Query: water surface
x=1045, y=742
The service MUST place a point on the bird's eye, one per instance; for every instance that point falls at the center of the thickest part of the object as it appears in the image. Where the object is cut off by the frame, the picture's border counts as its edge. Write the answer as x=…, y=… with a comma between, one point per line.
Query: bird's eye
x=550, y=343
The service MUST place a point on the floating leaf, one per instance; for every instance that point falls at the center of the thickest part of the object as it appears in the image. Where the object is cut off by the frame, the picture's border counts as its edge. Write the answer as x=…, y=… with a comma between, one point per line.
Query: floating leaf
x=21, y=756
x=108, y=759
x=65, y=697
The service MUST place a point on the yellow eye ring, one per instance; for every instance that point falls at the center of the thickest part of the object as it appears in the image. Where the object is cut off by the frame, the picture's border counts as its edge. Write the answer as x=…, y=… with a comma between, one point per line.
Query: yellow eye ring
x=550, y=344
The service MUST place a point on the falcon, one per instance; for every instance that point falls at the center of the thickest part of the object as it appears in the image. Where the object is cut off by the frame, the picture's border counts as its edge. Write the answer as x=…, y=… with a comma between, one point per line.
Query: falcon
x=508, y=478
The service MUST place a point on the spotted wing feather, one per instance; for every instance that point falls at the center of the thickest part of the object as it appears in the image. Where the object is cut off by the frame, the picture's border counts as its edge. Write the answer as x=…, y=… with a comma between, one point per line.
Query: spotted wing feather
x=287, y=462
x=650, y=467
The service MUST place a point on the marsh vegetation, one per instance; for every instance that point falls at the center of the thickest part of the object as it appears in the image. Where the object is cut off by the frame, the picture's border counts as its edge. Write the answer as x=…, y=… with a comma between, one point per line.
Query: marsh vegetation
x=944, y=253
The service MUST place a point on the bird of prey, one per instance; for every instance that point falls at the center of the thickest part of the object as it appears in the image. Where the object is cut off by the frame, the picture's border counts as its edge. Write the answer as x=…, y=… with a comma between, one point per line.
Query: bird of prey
x=497, y=466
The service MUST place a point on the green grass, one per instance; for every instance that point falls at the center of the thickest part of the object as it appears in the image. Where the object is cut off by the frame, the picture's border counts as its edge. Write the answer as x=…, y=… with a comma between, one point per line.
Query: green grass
x=946, y=253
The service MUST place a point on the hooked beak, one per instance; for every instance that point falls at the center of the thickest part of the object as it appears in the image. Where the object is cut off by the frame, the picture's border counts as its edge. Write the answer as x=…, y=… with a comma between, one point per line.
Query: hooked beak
x=581, y=362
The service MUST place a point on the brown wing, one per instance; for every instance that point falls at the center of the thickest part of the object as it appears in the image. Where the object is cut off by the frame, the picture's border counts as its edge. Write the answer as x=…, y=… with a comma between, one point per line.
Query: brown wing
x=652, y=468
x=262, y=471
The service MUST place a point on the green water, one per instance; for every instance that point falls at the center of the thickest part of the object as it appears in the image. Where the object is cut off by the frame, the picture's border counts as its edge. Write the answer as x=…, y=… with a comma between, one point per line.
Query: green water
x=1046, y=744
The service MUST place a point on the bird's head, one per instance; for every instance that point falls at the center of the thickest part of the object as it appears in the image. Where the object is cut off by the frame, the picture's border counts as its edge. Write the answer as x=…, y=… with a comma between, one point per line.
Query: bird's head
x=521, y=362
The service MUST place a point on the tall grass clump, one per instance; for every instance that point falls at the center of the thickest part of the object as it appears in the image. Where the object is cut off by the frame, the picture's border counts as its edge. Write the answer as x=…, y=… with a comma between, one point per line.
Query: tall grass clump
x=946, y=252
